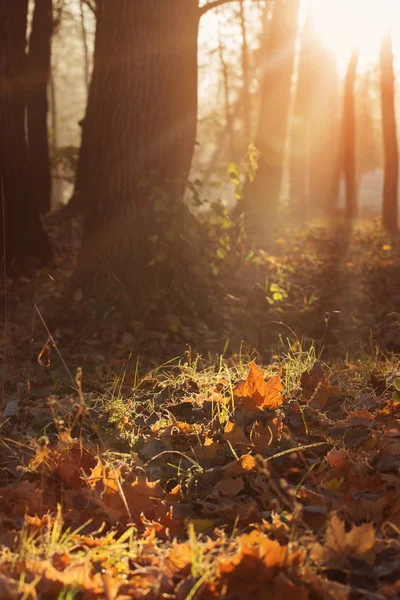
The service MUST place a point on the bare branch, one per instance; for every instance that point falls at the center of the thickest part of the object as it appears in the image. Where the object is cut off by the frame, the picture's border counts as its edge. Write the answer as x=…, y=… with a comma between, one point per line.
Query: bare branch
x=91, y=4
x=215, y=4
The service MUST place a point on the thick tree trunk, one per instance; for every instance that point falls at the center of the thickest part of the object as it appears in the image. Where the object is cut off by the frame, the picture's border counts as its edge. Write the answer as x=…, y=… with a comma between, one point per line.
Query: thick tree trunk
x=262, y=196
x=349, y=137
x=38, y=74
x=138, y=136
x=390, y=188
x=21, y=233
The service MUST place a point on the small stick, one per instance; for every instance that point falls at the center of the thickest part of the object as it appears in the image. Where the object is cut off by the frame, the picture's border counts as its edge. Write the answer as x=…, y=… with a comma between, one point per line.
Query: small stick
x=56, y=347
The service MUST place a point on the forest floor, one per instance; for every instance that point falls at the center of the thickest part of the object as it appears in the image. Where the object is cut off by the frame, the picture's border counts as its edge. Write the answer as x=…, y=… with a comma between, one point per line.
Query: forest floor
x=253, y=454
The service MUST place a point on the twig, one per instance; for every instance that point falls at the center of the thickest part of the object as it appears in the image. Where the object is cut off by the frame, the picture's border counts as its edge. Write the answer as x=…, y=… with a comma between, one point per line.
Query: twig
x=215, y=4
x=174, y=452
x=55, y=346
x=297, y=449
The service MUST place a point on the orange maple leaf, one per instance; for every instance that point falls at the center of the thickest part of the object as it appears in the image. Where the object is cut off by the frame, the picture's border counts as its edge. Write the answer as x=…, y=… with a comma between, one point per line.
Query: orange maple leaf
x=255, y=392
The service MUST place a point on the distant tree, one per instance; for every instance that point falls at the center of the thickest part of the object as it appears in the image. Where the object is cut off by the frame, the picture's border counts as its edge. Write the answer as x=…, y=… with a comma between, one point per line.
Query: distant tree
x=262, y=195
x=245, y=74
x=229, y=120
x=21, y=232
x=368, y=134
x=348, y=137
x=85, y=47
x=390, y=188
x=324, y=131
x=300, y=124
x=37, y=78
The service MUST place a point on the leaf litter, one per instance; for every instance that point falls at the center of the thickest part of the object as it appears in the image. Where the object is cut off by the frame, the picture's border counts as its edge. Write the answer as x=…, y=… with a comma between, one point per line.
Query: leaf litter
x=277, y=477
x=263, y=494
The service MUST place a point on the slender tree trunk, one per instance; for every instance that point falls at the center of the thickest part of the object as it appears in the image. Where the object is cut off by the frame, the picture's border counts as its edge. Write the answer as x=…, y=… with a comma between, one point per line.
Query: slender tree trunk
x=390, y=188
x=314, y=139
x=324, y=138
x=262, y=196
x=85, y=48
x=245, y=75
x=225, y=79
x=138, y=137
x=38, y=75
x=349, y=137
x=369, y=156
x=56, y=187
x=299, y=143
x=21, y=233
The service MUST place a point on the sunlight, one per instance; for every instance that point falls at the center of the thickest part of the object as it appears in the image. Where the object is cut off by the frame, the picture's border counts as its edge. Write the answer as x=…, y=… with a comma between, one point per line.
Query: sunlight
x=344, y=24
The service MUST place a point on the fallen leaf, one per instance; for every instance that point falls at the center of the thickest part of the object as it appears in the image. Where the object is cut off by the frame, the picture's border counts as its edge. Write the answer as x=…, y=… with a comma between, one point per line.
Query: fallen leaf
x=230, y=486
x=255, y=392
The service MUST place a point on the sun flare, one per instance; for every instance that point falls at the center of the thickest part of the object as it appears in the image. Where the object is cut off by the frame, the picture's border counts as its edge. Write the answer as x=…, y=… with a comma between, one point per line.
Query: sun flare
x=345, y=24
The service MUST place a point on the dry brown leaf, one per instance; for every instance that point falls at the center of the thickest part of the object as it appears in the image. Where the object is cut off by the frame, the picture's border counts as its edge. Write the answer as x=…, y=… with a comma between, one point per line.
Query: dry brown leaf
x=112, y=493
x=359, y=542
x=238, y=467
x=338, y=458
x=230, y=486
x=255, y=392
x=270, y=553
x=362, y=414
x=141, y=494
x=207, y=450
x=52, y=581
x=179, y=559
x=235, y=435
x=265, y=435
x=310, y=379
x=324, y=393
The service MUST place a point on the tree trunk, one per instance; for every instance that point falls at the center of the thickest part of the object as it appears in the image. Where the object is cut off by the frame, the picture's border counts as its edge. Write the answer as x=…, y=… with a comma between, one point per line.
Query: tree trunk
x=299, y=142
x=349, y=137
x=369, y=136
x=138, y=137
x=323, y=133
x=245, y=76
x=225, y=79
x=21, y=233
x=390, y=188
x=85, y=48
x=262, y=195
x=38, y=74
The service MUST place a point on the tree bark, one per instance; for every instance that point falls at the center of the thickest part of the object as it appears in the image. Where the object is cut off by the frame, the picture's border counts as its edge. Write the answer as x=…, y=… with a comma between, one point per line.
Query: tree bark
x=138, y=136
x=21, y=232
x=390, y=187
x=262, y=195
x=314, y=124
x=85, y=48
x=225, y=79
x=245, y=75
x=299, y=135
x=324, y=138
x=38, y=74
x=349, y=137
x=369, y=137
